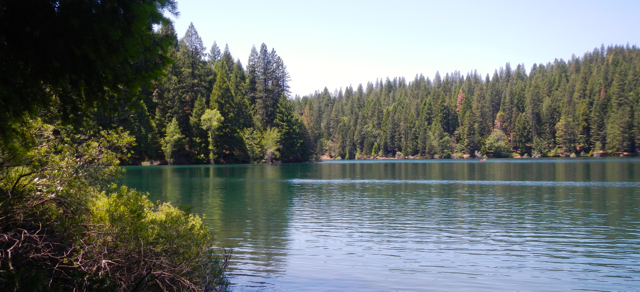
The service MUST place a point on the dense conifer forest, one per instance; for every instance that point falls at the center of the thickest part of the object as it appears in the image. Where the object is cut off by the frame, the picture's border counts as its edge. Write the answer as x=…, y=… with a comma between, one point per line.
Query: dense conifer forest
x=586, y=106
x=113, y=88
x=255, y=119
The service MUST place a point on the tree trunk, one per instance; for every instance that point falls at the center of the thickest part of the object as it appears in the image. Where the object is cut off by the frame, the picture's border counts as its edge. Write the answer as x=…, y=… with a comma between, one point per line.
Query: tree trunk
x=211, y=149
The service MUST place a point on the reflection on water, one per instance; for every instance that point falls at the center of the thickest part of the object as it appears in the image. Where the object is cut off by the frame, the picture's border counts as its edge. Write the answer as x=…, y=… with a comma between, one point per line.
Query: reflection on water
x=418, y=225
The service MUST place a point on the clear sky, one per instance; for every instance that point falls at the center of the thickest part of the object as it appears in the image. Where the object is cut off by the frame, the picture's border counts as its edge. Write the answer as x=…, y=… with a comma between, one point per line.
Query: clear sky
x=335, y=44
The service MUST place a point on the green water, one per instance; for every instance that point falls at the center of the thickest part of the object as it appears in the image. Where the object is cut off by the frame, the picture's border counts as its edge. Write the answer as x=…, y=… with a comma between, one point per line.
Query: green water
x=455, y=225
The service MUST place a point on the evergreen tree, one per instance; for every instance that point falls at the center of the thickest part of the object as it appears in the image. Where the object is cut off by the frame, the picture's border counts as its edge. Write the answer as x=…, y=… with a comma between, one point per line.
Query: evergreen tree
x=214, y=54
x=199, y=135
x=253, y=141
x=566, y=134
x=230, y=144
x=521, y=134
x=293, y=141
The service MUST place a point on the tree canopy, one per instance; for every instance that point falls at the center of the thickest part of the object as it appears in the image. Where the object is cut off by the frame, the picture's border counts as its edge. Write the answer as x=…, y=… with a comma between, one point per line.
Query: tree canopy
x=71, y=57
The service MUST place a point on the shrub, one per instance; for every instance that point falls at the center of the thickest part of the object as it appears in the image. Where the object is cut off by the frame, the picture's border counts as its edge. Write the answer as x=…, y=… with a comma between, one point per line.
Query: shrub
x=62, y=220
x=498, y=145
x=136, y=243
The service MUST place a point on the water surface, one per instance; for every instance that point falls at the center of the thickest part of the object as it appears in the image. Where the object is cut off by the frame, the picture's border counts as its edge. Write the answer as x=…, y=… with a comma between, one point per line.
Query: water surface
x=454, y=225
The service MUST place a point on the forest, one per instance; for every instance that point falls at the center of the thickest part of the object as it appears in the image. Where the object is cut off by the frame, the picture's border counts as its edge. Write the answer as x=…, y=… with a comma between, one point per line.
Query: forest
x=123, y=88
x=64, y=223
x=208, y=108
x=586, y=106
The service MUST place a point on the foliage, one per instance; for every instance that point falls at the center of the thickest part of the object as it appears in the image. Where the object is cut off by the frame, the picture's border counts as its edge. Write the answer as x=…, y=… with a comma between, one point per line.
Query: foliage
x=63, y=220
x=171, y=140
x=158, y=247
x=105, y=51
x=574, y=104
x=210, y=121
x=253, y=141
x=293, y=139
x=498, y=145
x=63, y=226
x=540, y=146
x=271, y=142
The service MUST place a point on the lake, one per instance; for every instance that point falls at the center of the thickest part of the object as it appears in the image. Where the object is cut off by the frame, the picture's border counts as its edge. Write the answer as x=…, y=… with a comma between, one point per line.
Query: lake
x=417, y=225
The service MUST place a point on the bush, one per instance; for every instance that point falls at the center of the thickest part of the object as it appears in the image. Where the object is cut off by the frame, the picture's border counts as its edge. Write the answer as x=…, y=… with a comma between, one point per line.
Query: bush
x=62, y=220
x=498, y=145
x=399, y=155
x=135, y=242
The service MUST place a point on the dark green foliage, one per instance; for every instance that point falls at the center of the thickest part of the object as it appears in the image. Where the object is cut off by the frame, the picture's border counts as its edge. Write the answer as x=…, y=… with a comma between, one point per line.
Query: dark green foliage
x=576, y=105
x=64, y=226
x=229, y=146
x=69, y=58
x=293, y=141
x=246, y=99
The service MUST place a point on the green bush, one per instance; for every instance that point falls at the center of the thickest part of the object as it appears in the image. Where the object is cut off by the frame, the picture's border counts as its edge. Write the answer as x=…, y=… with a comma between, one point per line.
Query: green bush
x=159, y=245
x=62, y=219
x=498, y=145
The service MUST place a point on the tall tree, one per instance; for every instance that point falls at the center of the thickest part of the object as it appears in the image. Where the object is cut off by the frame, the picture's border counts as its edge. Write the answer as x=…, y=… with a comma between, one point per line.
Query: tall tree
x=171, y=140
x=230, y=146
x=210, y=121
x=214, y=54
x=293, y=134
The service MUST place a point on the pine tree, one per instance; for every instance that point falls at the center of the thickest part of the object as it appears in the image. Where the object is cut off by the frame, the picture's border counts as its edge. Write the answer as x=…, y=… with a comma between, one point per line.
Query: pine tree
x=619, y=114
x=253, y=141
x=214, y=54
x=521, y=133
x=230, y=145
x=293, y=141
x=470, y=137
x=566, y=134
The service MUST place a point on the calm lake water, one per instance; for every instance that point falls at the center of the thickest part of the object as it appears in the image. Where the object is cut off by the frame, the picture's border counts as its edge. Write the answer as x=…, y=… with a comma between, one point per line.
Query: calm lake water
x=417, y=225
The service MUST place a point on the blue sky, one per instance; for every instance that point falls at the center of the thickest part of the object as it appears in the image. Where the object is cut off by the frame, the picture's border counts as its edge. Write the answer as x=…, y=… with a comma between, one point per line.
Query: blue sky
x=335, y=44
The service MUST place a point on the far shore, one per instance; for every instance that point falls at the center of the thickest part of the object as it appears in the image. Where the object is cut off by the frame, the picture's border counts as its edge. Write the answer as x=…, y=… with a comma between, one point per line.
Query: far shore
x=467, y=156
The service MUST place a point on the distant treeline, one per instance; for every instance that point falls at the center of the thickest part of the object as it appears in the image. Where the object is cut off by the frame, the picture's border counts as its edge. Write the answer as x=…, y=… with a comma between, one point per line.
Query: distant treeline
x=581, y=106
x=584, y=106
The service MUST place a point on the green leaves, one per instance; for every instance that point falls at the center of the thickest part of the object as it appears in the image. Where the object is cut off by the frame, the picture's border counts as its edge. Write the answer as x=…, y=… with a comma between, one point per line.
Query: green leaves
x=135, y=238
x=112, y=53
x=211, y=120
x=171, y=139
x=271, y=142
